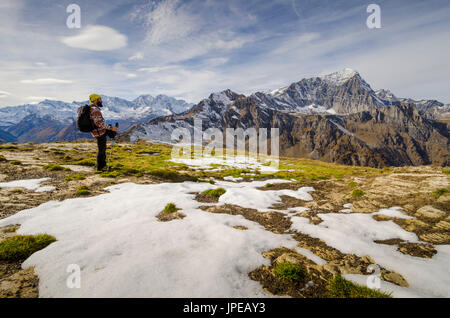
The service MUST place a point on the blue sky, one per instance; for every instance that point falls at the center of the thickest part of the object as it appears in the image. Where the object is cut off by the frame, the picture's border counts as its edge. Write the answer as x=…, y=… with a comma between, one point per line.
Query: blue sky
x=190, y=48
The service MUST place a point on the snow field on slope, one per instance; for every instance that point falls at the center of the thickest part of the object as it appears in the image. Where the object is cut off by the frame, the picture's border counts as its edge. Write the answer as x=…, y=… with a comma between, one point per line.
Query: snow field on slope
x=124, y=251
x=239, y=162
x=355, y=234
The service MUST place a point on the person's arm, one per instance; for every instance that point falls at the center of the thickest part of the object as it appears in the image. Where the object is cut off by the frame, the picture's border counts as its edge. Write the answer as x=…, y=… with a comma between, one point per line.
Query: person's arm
x=98, y=120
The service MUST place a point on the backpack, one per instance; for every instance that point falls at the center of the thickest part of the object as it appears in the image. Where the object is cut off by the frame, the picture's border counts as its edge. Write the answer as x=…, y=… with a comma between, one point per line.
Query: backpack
x=84, y=122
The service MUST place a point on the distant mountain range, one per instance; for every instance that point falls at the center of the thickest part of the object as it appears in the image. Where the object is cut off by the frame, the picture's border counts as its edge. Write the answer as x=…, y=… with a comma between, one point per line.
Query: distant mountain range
x=336, y=117
x=51, y=120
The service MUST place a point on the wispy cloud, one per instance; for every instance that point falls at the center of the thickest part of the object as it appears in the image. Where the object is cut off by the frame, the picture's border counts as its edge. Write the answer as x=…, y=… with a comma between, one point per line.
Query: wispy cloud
x=4, y=94
x=190, y=48
x=46, y=81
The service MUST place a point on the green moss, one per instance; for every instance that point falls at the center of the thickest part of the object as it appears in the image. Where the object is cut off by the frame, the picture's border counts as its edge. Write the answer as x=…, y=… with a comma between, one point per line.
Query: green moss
x=215, y=193
x=15, y=162
x=341, y=288
x=439, y=192
x=289, y=272
x=82, y=190
x=75, y=176
x=268, y=185
x=357, y=193
x=20, y=247
x=446, y=171
x=170, y=208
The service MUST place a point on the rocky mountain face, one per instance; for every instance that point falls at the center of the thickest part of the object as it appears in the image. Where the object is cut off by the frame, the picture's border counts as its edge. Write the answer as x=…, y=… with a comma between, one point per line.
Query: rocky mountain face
x=50, y=121
x=428, y=108
x=342, y=92
x=6, y=137
x=335, y=118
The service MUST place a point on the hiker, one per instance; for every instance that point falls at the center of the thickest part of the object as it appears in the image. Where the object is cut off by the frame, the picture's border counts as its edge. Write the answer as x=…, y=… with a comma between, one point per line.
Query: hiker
x=101, y=130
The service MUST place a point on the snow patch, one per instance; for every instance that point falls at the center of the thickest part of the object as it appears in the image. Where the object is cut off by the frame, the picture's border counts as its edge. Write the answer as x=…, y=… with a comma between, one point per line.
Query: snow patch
x=29, y=184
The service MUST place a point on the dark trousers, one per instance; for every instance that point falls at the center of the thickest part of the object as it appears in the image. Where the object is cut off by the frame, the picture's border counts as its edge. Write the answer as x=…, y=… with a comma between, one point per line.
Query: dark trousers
x=101, y=143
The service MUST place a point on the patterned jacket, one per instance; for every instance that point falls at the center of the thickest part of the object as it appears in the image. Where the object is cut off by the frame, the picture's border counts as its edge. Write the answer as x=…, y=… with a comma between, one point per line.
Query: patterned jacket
x=99, y=122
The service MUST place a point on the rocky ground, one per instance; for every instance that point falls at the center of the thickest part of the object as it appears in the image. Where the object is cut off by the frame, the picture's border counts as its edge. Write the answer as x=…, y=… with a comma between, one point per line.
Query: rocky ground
x=415, y=189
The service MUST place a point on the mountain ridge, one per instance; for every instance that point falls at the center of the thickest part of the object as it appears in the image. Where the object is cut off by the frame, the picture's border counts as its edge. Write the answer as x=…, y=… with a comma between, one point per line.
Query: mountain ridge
x=336, y=118
x=54, y=120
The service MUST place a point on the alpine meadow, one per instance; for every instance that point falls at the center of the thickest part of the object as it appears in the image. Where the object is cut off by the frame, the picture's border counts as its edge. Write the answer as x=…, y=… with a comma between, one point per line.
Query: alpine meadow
x=224, y=157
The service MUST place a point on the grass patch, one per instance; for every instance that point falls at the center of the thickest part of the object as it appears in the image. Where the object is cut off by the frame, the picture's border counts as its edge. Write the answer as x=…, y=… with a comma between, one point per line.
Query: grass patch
x=357, y=193
x=339, y=287
x=289, y=272
x=439, y=192
x=20, y=247
x=82, y=190
x=15, y=162
x=17, y=191
x=11, y=229
x=164, y=174
x=268, y=185
x=352, y=184
x=112, y=174
x=446, y=171
x=55, y=167
x=85, y=162
x=26, y=149
x=9, y=147
x=170, y=208
x=75, y=176
x=215, y=193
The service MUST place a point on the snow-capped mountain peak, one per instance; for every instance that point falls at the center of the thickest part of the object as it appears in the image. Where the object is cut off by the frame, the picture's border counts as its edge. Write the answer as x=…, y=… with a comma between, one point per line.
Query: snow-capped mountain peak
x=340, y=77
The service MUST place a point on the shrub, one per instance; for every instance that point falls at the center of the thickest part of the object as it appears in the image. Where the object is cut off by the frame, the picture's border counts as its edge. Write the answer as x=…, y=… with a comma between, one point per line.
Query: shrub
x=357, y=193
x=75, y=176
x=170, y=208
x=216, y=193
x=339, y=287
x=82, y=190
x=2, y=158
x=289, y=272
x=20, y=247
